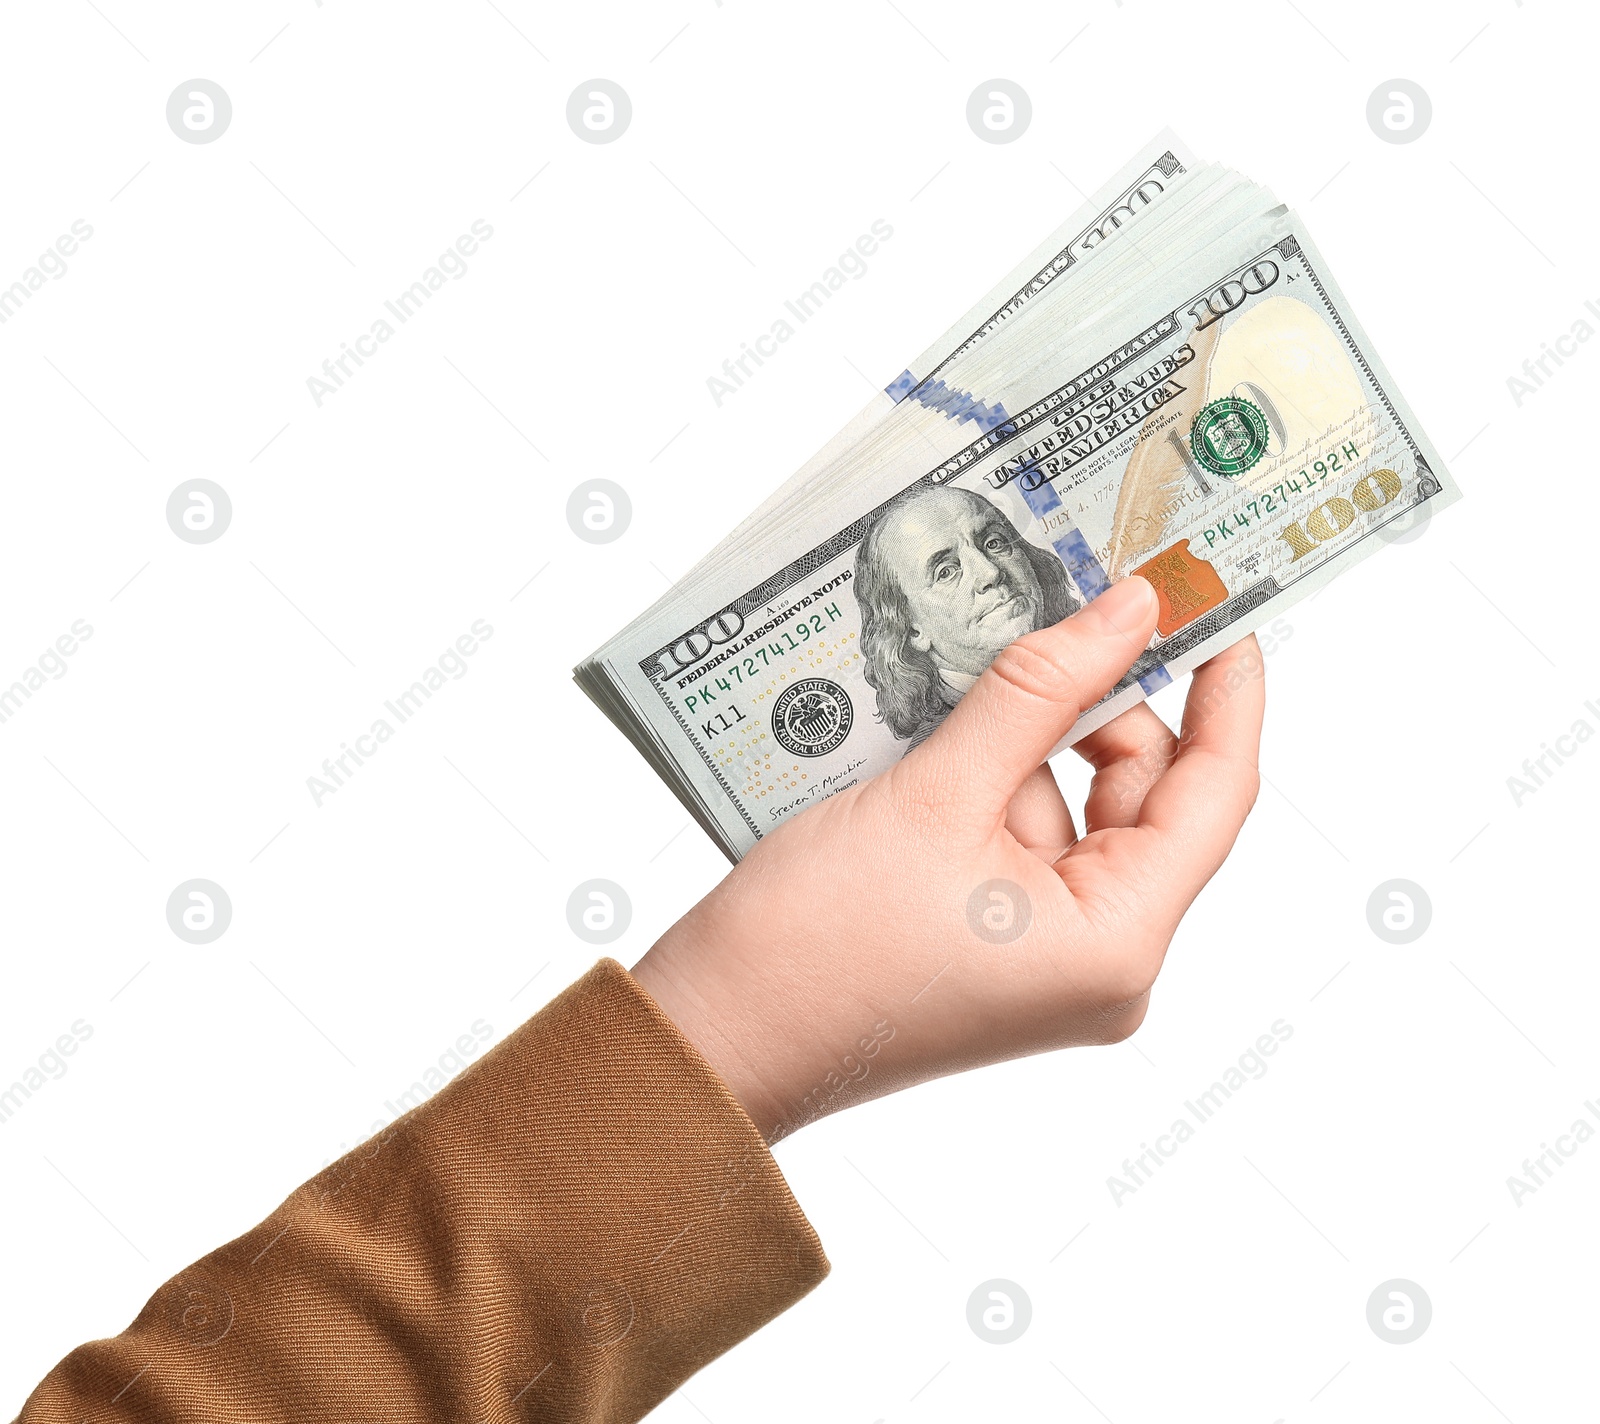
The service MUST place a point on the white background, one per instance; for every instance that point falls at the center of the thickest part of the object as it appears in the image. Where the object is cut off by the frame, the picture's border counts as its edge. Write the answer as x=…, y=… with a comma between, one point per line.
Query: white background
x=369, y=533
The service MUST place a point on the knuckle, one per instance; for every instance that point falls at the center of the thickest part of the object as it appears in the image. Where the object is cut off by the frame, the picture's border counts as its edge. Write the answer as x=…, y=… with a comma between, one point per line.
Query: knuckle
x=1033, y=665
x=923, y=812
x=921, y=800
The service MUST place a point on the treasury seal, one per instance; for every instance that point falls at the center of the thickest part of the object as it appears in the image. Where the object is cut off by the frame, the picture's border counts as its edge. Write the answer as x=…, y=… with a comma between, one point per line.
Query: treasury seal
x=812, y=716
x=1229, y=436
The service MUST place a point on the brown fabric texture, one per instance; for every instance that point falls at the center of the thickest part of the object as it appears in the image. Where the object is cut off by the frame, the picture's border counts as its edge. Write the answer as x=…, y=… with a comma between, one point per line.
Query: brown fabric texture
x=566, y=1232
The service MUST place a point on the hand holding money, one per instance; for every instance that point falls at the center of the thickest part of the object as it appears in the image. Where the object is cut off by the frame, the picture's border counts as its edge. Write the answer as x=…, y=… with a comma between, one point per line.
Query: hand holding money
x=950, y=905
x=1172, y=385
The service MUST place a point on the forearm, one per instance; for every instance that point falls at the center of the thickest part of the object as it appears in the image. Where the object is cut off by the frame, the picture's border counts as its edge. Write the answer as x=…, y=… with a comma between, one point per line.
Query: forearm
x=568, y=1231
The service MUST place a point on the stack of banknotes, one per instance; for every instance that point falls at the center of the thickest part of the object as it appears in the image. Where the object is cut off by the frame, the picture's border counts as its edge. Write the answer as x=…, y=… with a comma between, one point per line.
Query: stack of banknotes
x=1171, y=385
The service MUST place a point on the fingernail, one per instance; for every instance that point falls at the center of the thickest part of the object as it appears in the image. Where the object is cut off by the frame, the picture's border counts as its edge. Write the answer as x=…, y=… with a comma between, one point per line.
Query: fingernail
x=1123, y=606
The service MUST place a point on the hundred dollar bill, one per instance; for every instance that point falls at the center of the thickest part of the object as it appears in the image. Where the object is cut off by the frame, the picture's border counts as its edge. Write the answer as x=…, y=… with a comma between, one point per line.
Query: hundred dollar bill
x=1238, y=445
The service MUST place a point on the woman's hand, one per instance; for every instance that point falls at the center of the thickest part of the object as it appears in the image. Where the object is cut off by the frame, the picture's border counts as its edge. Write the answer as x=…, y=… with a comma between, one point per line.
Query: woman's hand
x=947, y=913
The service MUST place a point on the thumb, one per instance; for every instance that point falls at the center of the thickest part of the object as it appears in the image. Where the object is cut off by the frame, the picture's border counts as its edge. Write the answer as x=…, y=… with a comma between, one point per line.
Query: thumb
x=1029, y=697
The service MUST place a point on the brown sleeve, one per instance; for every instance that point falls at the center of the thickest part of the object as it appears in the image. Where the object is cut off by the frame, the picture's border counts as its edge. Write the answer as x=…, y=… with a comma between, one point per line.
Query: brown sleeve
x=566, y=1232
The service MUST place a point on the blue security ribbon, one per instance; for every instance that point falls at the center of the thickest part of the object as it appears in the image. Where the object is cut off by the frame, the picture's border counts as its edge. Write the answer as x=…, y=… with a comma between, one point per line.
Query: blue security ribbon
x=1082, y=566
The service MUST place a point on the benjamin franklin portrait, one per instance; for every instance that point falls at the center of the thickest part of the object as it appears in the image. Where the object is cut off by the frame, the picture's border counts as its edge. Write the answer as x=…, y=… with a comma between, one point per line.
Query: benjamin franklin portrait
x=944, y=581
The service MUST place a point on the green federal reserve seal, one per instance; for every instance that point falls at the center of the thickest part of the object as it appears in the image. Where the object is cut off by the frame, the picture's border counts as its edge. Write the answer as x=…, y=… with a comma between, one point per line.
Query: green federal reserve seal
x=1229, y=436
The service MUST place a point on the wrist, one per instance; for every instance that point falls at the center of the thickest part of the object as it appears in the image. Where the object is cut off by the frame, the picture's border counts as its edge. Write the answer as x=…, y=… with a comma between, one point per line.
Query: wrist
x=722, y=1018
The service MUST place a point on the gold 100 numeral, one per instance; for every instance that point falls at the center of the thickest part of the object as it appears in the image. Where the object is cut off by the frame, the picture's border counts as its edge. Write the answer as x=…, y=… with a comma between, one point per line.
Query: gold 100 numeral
x=1334, y=516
